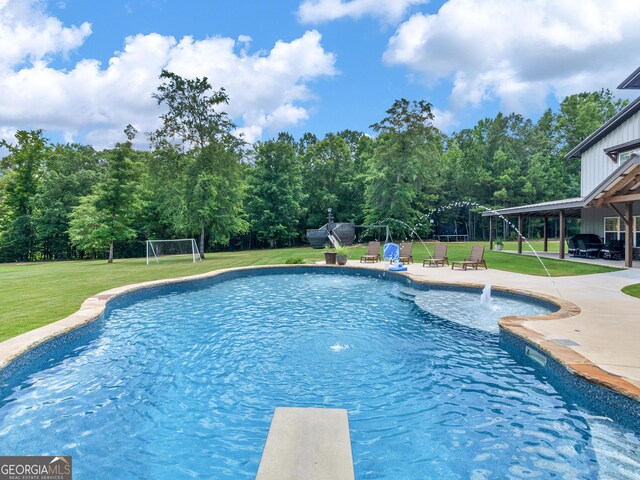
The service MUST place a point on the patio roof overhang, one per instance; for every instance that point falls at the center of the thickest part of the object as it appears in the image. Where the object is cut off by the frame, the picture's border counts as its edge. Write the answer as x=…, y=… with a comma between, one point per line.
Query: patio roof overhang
x=571, y=207
x=622, y=186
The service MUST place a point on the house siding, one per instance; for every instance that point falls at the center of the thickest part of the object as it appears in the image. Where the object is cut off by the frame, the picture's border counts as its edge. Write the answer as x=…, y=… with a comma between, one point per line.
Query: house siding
x=593, y=218
x=595, y=164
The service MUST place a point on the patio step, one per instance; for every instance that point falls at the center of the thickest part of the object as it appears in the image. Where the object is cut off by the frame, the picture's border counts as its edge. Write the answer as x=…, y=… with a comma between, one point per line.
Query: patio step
x=307, y=443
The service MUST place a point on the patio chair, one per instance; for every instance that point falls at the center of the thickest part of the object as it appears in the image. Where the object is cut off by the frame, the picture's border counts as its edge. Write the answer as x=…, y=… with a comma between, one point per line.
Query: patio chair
x=373, y=253
x=614, y=250
x=587, y=250
x=439, y=256
x=475, y=259
x=573, y=248
x=406, y=252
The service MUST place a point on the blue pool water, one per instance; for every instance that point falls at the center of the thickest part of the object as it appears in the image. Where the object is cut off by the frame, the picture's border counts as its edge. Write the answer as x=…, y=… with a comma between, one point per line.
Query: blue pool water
x=183, y=384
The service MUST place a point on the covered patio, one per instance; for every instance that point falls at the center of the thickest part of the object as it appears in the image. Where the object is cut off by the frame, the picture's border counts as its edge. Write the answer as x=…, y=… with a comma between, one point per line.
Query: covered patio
x=618, y=191
x=592, y=261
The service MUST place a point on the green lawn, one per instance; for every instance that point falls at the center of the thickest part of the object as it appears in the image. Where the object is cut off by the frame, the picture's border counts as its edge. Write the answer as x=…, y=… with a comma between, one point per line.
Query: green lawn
x=38, y=294
x=633, y=290
x=553, y=246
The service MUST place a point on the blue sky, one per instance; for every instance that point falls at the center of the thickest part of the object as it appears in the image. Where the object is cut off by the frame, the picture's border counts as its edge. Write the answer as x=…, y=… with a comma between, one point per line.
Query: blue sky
x=82, y=70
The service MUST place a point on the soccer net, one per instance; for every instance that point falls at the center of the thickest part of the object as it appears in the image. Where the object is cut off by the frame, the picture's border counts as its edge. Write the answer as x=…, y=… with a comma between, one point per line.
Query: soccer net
x=186, y=248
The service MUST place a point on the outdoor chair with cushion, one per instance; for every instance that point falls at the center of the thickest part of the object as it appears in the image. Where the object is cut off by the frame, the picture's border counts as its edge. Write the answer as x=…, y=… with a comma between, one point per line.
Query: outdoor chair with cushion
x=406, y=255
x=614, y=250
x=587, y=250
x=587, y=245
x=373, y=253
x=439, y=256
x=475, y=259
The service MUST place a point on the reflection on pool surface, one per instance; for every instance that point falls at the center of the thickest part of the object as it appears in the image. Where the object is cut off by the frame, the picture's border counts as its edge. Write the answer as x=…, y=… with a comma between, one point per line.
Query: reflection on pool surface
x=185, y=383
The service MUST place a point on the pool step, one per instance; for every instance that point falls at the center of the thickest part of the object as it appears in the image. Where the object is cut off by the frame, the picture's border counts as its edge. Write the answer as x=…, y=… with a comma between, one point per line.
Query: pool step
x=307, y=443
x=404, y=294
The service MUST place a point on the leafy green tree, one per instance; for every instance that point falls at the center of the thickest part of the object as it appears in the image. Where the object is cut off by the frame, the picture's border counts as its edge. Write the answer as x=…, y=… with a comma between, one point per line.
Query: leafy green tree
x=327, y=165
x=22, y=170
x=69, y=173
x=275, y=192
x=86, y=226
x=579, y=116
x=583, y=113
x=209, y=184
x=214, y=189
x=192, y=119
x=113, y=203
x=404, y=168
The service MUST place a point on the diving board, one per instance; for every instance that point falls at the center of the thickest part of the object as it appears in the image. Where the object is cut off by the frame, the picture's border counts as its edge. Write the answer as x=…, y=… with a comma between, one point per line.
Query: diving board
x=308, y=443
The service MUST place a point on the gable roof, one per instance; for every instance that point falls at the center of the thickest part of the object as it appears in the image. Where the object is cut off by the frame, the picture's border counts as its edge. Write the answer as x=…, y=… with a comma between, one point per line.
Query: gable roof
x=608, y=127
x=622, y=181
x=631, y=82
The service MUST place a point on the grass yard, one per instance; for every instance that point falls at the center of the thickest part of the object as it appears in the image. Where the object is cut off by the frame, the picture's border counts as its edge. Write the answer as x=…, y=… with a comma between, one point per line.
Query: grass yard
x=37, y=294
x=633, y=290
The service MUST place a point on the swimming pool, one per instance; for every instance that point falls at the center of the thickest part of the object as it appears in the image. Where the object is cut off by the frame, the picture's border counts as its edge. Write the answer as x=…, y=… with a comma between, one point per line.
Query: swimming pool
x=182, y=381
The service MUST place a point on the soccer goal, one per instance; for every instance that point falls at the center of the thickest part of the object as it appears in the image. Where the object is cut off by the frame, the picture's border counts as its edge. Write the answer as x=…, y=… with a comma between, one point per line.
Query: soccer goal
x=182, y=247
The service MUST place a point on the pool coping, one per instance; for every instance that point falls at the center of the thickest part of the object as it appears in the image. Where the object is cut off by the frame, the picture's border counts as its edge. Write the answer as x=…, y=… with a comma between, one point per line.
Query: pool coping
x=94, y=307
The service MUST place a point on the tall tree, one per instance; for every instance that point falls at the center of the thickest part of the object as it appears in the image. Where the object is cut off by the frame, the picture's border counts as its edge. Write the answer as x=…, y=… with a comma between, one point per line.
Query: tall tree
x=275, y=192
x=583, y=113
x=213, y=191
x=192, y=119
x=210, y=181
x=327, y=165
x=22, y=169
x=405, y=164
x=111, y=208
x=69, y=173
x=579, y=116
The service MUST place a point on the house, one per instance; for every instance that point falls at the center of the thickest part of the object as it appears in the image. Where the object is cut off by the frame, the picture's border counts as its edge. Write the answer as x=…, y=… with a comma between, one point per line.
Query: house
x=609, y=180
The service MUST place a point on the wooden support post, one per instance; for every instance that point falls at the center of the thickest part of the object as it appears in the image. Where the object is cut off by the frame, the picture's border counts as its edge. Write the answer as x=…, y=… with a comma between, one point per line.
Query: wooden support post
x=546, y=234
x=519, y=233
x=490, y=233
x=628, y=235
x=562, y=229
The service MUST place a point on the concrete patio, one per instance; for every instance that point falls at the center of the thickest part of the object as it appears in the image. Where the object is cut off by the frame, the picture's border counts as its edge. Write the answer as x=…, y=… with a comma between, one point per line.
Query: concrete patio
x=592, y=261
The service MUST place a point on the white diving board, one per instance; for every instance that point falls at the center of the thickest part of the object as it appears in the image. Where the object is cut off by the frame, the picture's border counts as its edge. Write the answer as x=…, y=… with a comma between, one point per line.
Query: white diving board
x=307, y=443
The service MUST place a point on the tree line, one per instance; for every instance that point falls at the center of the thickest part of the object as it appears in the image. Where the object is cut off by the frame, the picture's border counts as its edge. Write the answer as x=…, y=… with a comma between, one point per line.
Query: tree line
x=69, y=201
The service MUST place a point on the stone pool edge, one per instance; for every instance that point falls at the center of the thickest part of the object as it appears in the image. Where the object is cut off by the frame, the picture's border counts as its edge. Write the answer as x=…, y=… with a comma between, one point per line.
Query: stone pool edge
x=94, y=307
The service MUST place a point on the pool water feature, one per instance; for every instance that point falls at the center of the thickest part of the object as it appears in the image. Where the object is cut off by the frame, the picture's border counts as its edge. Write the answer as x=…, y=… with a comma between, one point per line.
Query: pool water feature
x=184, y=382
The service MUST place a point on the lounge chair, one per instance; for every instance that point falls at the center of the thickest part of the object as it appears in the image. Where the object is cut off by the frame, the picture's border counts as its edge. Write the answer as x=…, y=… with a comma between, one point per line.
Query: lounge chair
x=573, y=248
x=373, y=253
x=439, y=256
x=475, y=259
x=405, y=252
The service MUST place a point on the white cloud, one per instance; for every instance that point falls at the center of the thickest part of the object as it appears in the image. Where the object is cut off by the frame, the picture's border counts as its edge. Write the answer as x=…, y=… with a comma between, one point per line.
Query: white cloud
x=444, y=120
x=317, y=11
x=92, y=102
x=520, y=51
x=27, y=33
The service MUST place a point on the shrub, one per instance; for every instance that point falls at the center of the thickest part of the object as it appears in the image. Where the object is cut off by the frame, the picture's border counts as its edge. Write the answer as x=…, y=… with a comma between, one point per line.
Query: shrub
x=294, y=261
